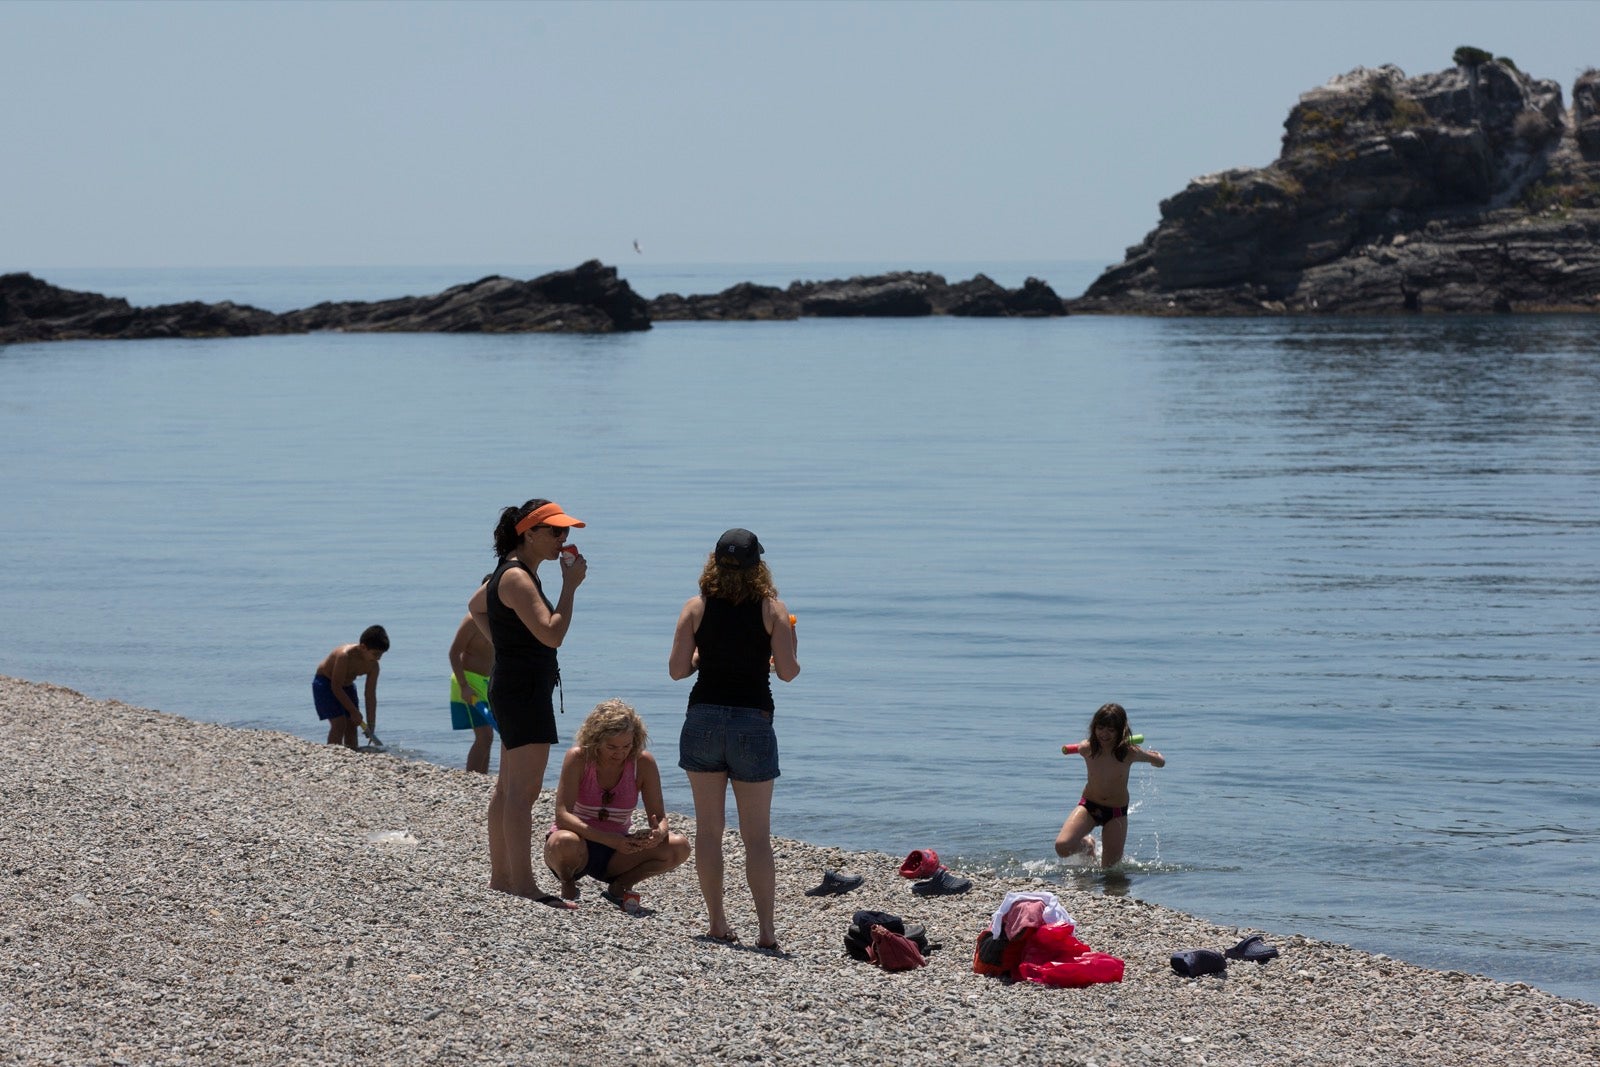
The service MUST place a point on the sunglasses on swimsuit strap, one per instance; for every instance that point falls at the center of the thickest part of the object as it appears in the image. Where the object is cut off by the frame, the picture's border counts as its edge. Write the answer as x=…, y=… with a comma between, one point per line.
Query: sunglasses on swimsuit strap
x=605, y=800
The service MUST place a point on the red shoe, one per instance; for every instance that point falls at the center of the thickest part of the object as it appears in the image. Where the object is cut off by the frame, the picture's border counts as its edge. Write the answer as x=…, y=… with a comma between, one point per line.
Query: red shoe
x=921, y=863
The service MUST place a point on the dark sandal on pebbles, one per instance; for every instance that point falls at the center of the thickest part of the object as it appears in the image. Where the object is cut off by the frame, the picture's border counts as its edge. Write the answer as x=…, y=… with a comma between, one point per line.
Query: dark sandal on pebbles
x=1194, y=962
x=771, y=949
x=627, y=900
x=941, y=884
x=550, y=900
x=729, y=938
x=834, y=883
x=1252, y=948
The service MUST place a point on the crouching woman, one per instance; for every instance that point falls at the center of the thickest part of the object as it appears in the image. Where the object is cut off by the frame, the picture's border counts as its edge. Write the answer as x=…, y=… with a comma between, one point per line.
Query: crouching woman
x=603, y=777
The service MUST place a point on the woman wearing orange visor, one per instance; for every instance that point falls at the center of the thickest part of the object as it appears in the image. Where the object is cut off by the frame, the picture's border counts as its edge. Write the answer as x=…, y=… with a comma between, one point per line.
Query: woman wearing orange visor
x=526, y=628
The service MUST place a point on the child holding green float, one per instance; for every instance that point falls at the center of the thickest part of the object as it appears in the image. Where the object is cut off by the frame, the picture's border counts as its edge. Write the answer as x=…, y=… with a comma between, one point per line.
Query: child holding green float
x=1109, y=754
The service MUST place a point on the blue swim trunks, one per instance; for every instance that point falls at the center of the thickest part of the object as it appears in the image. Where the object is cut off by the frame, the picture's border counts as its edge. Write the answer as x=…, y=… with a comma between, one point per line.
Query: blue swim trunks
x=465, y=716
x=328, y=706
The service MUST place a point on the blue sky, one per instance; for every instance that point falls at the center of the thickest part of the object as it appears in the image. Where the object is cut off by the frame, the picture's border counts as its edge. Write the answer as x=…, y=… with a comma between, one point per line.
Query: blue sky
x=143, y=134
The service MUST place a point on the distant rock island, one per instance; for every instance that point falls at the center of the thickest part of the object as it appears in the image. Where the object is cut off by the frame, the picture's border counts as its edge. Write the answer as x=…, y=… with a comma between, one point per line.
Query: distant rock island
x=1470, y=190
x=587, y=299
x=901, y=294
x=590, y=298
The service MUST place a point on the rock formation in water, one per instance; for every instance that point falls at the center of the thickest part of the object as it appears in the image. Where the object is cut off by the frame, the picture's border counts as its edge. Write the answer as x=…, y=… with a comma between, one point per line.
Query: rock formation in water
x=590, y=298
x=34, y=310
x=902, y=294
x=1468, y=190
x=587, y=299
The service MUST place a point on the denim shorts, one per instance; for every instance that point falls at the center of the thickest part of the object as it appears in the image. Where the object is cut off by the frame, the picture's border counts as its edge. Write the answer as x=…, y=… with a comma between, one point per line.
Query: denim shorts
x=738, y=742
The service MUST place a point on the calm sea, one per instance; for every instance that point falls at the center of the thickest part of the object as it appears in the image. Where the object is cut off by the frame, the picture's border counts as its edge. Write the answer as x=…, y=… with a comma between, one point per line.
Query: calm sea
x=1345, y=574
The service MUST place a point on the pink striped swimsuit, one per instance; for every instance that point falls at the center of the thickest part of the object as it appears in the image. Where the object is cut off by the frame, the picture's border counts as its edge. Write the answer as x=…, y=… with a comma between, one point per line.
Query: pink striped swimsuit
x=617, y=803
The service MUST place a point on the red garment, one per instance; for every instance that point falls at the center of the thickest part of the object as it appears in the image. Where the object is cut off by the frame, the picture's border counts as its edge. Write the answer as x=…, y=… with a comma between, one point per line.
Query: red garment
x=1052, y=955
x=894, y=952
x=1055, y=957
x=1088, y=968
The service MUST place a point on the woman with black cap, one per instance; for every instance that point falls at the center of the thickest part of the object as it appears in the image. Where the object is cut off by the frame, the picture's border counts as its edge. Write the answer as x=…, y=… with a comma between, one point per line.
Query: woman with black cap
x=733, y=633
x=511, y=608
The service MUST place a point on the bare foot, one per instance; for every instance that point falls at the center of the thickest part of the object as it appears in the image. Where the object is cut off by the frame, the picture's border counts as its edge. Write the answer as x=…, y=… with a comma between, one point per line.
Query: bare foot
x=725, y=935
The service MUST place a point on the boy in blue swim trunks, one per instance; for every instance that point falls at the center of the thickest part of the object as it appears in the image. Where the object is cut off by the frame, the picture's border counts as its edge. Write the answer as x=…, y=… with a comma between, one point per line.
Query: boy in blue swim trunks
x=471, y=663
x=333, y=687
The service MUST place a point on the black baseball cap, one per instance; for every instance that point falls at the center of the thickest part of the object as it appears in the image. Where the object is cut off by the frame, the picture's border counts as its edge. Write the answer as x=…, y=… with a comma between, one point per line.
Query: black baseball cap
x=739, y=548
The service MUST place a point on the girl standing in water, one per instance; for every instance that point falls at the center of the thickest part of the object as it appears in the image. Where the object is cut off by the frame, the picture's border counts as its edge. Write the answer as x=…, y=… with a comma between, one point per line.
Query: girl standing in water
x=1109, y=755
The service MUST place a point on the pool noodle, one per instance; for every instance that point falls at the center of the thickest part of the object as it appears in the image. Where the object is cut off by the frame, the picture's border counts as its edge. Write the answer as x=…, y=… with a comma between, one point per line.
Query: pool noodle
x=1069, y=750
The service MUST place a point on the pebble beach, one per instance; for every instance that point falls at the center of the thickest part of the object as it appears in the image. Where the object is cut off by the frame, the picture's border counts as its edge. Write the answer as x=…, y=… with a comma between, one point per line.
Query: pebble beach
x=177, y=892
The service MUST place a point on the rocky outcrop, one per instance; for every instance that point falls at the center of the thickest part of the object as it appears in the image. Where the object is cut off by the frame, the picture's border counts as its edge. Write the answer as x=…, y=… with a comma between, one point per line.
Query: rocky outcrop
x=1468, y=190
x=587, y=299
x=35, y=310
x=902, y=294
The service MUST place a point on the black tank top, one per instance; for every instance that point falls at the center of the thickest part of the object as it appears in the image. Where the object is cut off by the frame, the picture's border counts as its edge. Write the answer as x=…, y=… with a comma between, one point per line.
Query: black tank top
x=514, y=643
x=735, y=650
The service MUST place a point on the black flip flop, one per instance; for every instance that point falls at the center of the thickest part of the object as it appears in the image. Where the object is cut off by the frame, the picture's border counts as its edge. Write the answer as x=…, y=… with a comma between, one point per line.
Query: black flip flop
x=1194, y=962
x=834, y=883
x=943, y=883
x=1252, y=948
x=550, y=900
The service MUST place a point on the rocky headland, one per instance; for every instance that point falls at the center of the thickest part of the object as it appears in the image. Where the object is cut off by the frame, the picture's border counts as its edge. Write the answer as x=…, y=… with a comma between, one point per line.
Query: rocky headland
x=1471, y=190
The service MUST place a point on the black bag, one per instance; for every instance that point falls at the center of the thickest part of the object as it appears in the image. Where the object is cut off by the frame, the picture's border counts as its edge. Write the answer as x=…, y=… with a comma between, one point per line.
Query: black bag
x=858, y=938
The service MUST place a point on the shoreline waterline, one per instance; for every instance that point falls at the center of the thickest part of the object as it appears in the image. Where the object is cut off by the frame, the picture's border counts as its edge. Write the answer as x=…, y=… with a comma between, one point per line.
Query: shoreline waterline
x=183, y=892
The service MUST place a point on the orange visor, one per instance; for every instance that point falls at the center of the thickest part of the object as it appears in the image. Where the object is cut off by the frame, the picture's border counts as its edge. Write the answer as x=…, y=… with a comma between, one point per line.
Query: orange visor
x=548, y=515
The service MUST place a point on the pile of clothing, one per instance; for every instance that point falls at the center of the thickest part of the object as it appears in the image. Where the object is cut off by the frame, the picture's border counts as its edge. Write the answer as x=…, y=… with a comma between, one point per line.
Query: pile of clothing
x=1031, y=939
x=887, y=940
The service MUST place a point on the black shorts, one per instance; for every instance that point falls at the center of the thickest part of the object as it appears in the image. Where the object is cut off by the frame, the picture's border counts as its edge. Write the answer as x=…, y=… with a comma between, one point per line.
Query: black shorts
x=523, y=710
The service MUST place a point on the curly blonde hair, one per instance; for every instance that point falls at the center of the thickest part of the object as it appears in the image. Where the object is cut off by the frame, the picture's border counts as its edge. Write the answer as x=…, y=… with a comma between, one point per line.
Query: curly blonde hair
x=609, y=718
x=738, y=584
